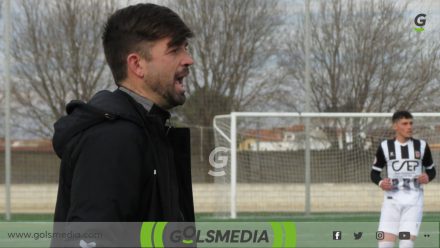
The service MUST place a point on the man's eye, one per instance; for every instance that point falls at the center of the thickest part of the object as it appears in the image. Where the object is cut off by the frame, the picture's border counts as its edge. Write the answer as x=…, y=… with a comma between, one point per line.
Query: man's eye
x=178, y=49
x=173, y=50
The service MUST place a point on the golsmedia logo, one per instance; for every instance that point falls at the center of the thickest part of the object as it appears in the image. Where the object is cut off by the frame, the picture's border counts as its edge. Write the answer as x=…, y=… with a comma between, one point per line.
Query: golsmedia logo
x=190, y=235
x=420, y=22
x=219, y=234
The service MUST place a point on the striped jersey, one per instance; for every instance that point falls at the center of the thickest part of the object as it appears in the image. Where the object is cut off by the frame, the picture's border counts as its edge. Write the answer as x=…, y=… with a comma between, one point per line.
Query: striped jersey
x=403, y=162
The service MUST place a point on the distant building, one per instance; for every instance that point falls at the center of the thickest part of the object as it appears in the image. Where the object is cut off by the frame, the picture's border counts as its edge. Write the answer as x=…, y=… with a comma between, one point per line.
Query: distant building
x=34, y=145
x=282, y=139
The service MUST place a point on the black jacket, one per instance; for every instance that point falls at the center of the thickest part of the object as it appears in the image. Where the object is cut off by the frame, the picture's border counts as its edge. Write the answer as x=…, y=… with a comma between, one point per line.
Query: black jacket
x=120, y=163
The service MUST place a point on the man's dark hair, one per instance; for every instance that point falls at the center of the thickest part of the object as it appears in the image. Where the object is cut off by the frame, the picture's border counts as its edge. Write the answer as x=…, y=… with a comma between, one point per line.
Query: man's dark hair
x=130, y=29
x=401, y=114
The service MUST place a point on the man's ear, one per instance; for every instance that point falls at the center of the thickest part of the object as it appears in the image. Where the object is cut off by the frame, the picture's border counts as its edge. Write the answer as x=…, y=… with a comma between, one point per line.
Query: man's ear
x=395, y=126
x=134, y=65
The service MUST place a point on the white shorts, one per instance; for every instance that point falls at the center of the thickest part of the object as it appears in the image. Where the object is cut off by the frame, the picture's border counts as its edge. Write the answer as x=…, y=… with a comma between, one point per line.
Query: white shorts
x=396, y=217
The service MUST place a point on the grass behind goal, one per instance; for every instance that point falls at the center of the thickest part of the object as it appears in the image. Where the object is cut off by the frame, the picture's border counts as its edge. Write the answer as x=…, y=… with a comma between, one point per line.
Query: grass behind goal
x=260, y=217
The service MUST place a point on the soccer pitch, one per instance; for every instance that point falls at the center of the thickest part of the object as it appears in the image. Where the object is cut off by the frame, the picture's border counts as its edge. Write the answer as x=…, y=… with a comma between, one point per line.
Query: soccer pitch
x=314, y=217
x=260, y=217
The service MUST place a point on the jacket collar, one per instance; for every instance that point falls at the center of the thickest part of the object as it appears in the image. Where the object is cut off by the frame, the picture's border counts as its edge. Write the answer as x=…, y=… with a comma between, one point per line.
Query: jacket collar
x=160, y=112
x=149, y=106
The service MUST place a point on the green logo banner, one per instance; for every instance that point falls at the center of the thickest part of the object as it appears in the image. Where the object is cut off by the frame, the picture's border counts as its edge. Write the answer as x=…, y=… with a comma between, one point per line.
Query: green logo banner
x=218, y=234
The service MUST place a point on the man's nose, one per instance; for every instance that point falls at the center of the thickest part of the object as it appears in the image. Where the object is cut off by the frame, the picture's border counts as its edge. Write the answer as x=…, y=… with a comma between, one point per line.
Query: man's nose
x=188, y=60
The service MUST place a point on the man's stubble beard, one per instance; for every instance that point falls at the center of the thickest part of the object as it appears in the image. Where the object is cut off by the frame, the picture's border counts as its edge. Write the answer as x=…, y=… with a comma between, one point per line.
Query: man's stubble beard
x=166, y=91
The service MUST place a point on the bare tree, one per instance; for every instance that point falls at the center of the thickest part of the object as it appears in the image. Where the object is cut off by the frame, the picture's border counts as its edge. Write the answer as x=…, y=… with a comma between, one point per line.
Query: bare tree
x=58, y=57
x=233, y=47
x=364, y=57
x=2, y=120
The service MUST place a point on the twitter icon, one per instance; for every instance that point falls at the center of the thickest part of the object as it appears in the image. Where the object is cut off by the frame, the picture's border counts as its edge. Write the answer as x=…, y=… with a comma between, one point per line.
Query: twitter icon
x=357, y=236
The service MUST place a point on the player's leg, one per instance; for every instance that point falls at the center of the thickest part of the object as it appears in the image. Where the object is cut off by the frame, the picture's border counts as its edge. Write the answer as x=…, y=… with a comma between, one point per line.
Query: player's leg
x=410, y=222
x=388, y=240
x=389, y=223
x=406, y=243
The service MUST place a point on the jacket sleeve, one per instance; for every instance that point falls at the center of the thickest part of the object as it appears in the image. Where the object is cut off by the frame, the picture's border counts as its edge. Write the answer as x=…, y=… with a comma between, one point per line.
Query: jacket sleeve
x=378, y=164
x=428, y=163
x=107, y=176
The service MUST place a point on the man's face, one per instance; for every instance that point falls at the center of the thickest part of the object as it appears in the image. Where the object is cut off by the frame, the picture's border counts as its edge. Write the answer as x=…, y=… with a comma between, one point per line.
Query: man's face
x=164, y=72
x=403, y=128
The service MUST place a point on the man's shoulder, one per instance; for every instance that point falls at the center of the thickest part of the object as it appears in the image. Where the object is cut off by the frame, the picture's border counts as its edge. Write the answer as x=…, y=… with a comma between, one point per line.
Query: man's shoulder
x=385, y=142
x=421, y=141
x=115, y=130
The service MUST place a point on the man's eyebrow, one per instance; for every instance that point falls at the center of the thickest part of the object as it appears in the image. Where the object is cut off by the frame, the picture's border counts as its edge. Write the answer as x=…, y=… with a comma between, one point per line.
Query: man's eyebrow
x=184, y=43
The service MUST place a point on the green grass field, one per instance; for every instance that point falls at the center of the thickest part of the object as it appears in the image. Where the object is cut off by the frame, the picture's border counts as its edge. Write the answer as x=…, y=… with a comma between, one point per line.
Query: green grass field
x=261, y=217
x=315, y=217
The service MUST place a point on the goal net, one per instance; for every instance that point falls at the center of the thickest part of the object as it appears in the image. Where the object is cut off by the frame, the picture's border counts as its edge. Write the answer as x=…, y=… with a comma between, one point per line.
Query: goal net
x=266, y=170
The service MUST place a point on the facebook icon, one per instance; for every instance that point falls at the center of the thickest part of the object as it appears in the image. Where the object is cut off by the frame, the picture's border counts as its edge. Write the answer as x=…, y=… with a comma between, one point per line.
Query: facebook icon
x=337, y=235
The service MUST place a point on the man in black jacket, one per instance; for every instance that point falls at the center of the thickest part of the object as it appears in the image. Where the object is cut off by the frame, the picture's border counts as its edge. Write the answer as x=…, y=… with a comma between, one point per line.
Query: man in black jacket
x=121, y=162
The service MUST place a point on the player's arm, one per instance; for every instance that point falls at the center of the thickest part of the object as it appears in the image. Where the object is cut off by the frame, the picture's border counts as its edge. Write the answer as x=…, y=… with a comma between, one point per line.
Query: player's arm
x=376, y=169
x=428, y=164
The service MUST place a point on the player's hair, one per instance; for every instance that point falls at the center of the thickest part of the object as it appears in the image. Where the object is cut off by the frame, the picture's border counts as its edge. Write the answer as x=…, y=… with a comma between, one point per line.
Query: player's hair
x=401, y=114
x=134, y=28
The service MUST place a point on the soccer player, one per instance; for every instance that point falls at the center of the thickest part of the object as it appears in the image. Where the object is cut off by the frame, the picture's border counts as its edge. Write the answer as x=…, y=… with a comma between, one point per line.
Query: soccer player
x=409, y=165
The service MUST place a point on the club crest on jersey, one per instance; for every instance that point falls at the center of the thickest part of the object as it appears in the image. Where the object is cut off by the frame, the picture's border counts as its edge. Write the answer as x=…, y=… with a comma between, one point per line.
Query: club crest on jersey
x=417, y=154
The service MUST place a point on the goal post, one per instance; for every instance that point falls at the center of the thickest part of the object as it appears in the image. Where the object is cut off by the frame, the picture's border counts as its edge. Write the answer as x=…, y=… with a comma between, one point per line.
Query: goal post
x=267, y=170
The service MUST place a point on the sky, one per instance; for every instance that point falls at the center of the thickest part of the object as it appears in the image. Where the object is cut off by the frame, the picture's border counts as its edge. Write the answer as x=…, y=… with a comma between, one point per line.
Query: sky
x=293, y=8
